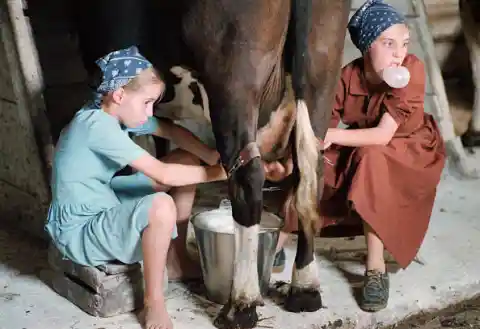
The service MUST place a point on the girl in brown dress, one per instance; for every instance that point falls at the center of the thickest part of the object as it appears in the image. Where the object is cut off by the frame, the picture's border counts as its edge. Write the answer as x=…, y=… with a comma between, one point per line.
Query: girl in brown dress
x=385, y=167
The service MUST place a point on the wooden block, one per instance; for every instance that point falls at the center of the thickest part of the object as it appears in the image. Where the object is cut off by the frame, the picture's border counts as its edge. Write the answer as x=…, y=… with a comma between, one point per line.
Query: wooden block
x=106, y=277
x=118, y=268
x=127, y=295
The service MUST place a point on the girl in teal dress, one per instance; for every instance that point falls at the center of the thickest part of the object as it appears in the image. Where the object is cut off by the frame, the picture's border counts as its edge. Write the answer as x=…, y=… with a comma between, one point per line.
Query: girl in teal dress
x=96, y=218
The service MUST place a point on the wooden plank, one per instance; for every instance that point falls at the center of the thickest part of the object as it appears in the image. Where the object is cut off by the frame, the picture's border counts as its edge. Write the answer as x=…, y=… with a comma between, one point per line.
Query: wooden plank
x=441, y=106
x=401, y=5
x=27, y=82
x=443, y=19
x=6, y=86
x=19, y=163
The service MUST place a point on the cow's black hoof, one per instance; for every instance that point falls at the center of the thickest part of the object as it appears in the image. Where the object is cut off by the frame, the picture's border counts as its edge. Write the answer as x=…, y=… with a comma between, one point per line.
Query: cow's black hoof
x=471, y=139
x=237, y=317
x=303, y=300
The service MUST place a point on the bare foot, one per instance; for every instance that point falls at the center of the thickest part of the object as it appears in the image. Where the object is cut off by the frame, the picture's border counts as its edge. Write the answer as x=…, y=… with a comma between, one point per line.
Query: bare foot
x=156, y=317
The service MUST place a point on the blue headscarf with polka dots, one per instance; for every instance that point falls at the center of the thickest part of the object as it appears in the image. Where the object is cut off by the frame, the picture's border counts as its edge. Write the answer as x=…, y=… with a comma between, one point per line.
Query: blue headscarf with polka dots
x=119, y=67
x=370, y=20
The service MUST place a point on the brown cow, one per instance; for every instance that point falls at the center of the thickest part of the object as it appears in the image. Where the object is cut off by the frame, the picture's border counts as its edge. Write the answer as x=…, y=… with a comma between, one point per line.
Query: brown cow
x=242, y=52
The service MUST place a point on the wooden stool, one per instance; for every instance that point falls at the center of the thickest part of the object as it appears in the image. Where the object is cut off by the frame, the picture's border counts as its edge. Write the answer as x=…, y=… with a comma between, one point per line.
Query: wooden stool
x=102, y=291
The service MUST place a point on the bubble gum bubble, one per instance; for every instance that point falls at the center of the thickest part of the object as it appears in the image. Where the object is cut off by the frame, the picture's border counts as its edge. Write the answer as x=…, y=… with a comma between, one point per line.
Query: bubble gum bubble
x=396, y=77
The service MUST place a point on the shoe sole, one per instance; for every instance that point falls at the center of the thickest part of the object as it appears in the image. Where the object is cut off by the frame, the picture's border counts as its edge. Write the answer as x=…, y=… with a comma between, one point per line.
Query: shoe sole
x=373, y=307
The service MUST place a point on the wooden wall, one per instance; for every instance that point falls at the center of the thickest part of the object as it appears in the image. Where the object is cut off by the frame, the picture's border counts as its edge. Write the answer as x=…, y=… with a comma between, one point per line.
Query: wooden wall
x=452, y=54
x=446, y=30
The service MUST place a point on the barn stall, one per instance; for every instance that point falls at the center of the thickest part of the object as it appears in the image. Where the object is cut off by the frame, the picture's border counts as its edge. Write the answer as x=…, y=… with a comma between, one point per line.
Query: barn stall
x=43, y=82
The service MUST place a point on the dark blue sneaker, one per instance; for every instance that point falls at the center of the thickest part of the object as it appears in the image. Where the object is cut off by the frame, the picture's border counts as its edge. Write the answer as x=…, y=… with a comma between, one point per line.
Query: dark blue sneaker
x=375, y=291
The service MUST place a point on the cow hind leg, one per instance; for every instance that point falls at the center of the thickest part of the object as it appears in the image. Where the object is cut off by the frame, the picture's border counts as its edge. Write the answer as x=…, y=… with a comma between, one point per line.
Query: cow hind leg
x=304, y=294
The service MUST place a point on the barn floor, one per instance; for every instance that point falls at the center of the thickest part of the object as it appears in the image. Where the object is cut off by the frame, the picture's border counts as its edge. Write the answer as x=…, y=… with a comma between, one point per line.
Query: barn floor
x=450, y=274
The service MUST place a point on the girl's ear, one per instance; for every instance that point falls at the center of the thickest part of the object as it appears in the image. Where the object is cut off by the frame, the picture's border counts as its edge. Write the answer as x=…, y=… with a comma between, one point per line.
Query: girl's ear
x=118, y=95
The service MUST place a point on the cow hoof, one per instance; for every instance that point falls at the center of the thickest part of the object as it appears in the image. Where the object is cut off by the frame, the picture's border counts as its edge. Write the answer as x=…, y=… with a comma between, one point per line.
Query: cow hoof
x=237, y=317
x=303, y=300
x=471, y=139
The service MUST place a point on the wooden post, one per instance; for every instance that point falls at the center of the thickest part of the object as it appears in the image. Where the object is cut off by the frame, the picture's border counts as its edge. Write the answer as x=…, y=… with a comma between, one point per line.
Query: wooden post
x=441, y=109
x=32, y=79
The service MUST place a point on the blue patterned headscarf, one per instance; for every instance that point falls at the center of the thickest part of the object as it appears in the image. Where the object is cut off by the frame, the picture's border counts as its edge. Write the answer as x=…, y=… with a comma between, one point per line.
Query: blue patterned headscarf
x=119, y=67
x=370, y=20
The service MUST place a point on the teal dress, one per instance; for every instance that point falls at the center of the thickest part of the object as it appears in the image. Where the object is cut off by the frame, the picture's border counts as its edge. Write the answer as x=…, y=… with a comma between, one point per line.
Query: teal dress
x=94, y=217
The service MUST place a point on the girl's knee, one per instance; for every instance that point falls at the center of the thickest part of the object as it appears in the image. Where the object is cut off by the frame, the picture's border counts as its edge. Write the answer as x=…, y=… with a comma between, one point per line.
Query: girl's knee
x=163, y=209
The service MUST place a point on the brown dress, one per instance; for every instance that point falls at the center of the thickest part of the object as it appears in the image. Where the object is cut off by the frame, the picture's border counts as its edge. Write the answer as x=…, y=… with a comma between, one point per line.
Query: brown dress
x=391, y=187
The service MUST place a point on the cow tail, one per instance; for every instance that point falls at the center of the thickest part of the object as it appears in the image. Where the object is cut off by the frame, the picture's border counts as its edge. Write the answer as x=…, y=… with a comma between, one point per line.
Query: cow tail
x=306, y=150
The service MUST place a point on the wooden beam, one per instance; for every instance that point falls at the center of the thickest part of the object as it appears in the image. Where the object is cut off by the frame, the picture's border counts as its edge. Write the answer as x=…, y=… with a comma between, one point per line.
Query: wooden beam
x=441, y=109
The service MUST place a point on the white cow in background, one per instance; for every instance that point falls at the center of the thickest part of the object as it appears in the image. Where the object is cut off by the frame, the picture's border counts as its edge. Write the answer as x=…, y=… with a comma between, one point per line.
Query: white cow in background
x=189, y=106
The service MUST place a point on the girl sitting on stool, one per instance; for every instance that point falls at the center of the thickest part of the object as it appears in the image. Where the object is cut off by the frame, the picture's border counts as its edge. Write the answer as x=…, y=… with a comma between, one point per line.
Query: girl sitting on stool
x=96, y=218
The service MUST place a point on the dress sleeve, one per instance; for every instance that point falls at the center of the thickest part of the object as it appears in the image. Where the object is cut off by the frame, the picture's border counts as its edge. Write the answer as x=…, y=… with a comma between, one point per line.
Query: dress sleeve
x=107, y=139
x=338, y=103
x=402, y=102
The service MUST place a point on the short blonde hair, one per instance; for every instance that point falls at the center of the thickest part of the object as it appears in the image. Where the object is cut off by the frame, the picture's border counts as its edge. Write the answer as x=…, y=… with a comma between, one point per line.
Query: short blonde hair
x=147, y=77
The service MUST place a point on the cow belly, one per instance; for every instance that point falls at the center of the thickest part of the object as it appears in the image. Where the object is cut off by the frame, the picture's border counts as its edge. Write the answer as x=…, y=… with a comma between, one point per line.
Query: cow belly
x=189, y=107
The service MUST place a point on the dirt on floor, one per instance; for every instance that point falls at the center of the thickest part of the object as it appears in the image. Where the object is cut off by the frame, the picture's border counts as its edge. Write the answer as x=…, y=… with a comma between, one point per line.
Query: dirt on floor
x=465, y=315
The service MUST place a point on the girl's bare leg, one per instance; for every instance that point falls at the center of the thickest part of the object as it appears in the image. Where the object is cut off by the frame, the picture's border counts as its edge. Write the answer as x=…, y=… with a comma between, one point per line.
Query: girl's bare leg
x=376, y=287
x=179, y=264
x=375, y=259
x=155, y=244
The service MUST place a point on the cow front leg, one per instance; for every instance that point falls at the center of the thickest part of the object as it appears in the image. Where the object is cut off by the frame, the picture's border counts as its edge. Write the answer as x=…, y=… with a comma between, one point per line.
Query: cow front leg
x=245, y=189
x=304, y=294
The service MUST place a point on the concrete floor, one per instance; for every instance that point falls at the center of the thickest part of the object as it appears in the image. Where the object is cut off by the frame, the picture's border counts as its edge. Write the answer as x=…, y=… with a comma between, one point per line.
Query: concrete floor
x=451, y=273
